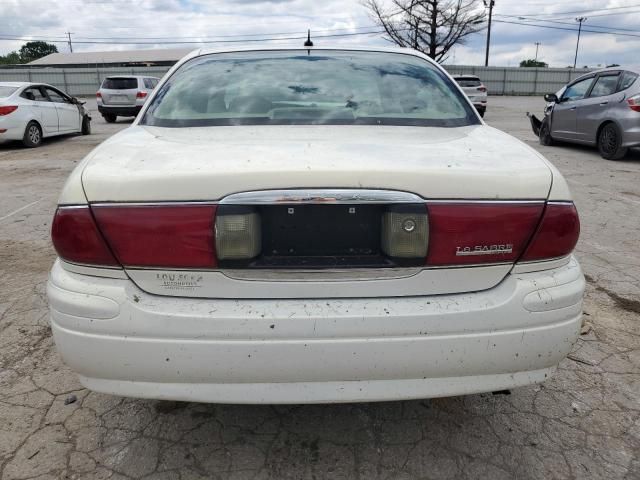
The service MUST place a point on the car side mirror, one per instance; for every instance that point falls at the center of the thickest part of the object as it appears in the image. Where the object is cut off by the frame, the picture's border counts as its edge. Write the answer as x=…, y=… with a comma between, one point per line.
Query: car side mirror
x=551, y=98
x=74, y=100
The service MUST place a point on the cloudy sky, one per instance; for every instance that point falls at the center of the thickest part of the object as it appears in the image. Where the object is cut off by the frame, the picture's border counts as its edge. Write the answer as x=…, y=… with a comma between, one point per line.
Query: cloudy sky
x=110, y=24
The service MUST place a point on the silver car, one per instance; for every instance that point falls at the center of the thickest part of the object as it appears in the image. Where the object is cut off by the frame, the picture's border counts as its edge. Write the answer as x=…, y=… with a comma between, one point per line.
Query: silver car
x=601, y=108
x=475, y=90
x=123, y=96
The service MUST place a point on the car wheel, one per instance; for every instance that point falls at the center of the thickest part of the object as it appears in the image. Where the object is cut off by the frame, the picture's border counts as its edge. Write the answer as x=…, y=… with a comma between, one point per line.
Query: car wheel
x=86, y=125
x=545, y=133
x=610, y=143
x=109, y=118
x=32, y=135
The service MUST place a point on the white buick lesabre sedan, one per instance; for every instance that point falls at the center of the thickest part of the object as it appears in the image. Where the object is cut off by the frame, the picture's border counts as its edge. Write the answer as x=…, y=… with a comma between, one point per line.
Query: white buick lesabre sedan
x=313, y=225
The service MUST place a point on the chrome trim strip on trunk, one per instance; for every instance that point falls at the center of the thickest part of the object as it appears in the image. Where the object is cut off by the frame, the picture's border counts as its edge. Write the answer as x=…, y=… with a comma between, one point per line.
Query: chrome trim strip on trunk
x=320, y=196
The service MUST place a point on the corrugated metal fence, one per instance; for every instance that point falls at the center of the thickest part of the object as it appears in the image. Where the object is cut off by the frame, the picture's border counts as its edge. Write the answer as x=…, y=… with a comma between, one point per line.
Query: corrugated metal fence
x=499, y=80
x=75, y=81
x=519, y=81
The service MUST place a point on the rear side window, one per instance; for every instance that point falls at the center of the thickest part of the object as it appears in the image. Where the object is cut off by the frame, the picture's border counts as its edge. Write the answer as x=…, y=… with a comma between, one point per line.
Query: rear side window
x=628, y=79
x=6, y=91
x=605, y=85
x=34, y=94
x=469, y=82
x=148, y=83
x=120, y=83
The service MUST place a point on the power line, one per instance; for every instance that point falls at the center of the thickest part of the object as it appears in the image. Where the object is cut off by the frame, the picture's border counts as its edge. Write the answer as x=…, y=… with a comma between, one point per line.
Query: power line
x=532, y=18
x=567, y=29
x=199, y=42
x=227, y=36
x=583, y=11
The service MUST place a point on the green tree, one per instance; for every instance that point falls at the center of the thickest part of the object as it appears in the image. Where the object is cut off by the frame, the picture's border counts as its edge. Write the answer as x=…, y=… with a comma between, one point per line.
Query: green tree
x=31, y=51
x=11, y=58
x=533, y=63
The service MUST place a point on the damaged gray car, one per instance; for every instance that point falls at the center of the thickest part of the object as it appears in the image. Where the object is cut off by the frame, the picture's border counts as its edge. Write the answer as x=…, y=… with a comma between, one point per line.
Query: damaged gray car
x=601, y=108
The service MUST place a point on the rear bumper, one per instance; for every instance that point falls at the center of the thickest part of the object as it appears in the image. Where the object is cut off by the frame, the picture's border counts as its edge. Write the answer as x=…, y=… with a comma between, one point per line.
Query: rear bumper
x=124, y=111
x=12, y=128
x=631, y=136
x=11, y=132
x=123, y=341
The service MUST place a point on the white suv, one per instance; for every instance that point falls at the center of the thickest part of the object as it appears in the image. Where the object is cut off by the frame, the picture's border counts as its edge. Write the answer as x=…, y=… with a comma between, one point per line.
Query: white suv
x=123, y=96
x=475, y=90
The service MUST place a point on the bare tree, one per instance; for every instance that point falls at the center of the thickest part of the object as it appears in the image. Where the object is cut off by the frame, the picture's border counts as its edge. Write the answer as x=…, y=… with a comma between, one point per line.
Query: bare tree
x=429, y=26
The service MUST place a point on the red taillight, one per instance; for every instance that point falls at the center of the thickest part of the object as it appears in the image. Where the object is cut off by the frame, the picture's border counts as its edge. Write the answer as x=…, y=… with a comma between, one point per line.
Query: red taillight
x=476, y=233
x=98, y=95
x=141, y=94
x=172, y=236
x=634, y=103
x=557, y=233
x=6, y=110
x=76, y=237
x=482, y=89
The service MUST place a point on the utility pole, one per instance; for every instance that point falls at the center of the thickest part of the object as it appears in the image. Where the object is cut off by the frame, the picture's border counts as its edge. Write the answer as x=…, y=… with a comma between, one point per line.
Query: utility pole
x=69, y=42
x=579, y=20
x=537, y=45
x=490, y=4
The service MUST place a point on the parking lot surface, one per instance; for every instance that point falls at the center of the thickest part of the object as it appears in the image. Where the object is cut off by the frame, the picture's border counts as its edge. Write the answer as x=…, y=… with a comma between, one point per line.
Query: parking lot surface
x=582, y=423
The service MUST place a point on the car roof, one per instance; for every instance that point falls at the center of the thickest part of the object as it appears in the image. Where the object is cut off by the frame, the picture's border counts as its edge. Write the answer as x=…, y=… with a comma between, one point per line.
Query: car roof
x=300, y=48
x=630, y=68
x=26, y=84
x=17, y=84
x=466, y=77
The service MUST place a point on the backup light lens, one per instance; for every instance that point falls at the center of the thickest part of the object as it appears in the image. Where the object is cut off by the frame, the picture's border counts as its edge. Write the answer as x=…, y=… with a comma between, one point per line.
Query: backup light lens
x=238, y=233
x=634, y=103
x=405, y=232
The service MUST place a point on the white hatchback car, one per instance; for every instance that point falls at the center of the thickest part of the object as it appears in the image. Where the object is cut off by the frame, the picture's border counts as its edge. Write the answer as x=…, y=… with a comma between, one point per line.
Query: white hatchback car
x=313, y=225
x=123, y=96
x=32, y=111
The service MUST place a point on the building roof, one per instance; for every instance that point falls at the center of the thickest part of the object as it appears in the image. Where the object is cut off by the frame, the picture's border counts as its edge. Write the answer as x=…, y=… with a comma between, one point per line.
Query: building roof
x=157, y=56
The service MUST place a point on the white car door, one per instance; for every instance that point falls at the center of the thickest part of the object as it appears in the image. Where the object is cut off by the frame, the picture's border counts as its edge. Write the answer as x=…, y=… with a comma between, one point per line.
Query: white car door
x=44, y=110
x=68, y=114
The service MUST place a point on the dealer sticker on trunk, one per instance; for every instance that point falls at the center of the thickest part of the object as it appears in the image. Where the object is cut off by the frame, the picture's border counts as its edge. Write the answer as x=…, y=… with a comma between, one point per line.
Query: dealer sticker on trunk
x=179, y=281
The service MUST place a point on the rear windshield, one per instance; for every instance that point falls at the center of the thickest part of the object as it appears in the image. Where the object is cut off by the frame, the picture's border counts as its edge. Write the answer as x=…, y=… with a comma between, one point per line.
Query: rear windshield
x=468, y=82
x=316, y=87
x=6, y=91
x=120, y=83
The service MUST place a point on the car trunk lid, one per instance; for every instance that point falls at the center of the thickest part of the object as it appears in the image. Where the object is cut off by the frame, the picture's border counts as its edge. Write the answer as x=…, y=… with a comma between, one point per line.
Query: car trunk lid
x=316, y=244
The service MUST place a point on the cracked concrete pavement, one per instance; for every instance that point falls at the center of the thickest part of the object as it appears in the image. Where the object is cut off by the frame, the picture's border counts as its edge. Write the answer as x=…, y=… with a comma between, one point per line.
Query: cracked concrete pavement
x=582, y=423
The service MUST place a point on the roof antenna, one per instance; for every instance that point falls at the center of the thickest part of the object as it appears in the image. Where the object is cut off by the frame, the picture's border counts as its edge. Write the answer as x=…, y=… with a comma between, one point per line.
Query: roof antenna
x=308, y=43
